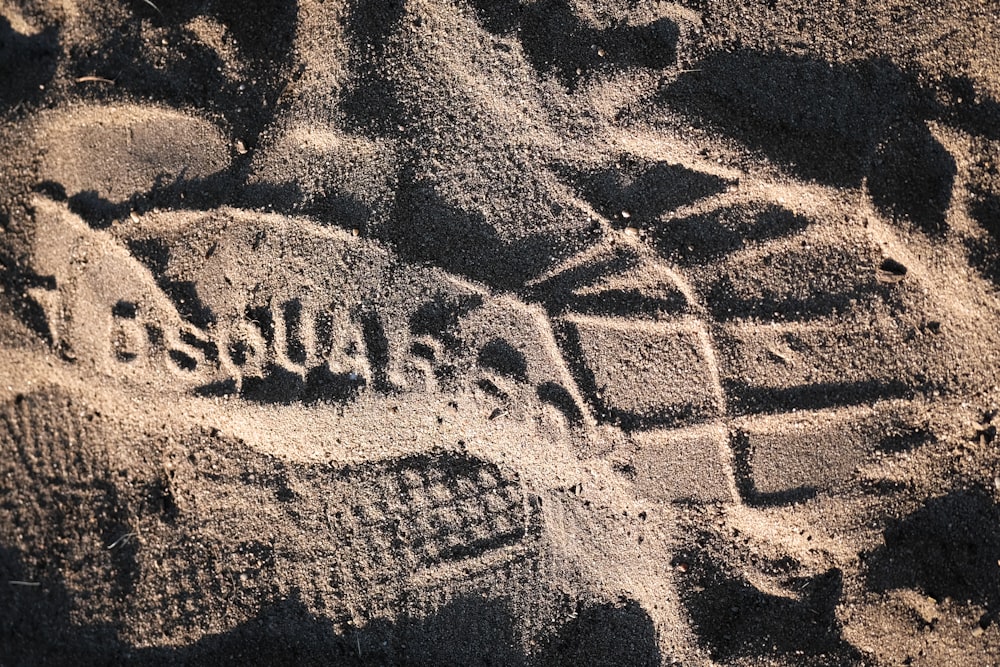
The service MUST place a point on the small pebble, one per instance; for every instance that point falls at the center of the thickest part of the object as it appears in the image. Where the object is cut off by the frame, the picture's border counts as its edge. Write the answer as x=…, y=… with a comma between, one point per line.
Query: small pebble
x=241, y=147
x=890, y=271
x=626, y=215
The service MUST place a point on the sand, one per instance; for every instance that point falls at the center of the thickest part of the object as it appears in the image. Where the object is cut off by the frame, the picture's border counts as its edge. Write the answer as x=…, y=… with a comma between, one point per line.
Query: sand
x=459, y=332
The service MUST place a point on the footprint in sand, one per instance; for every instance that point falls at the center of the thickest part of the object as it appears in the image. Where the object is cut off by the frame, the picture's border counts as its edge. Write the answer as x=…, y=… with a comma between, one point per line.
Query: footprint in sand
x=590, y=326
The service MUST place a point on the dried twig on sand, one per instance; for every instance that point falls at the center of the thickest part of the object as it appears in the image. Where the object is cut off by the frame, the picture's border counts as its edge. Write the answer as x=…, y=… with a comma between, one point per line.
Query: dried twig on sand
x=150, y=3
x=94, y=79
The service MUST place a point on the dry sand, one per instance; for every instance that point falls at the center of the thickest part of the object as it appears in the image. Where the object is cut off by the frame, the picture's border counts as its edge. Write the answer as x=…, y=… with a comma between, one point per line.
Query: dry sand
x=553, y=332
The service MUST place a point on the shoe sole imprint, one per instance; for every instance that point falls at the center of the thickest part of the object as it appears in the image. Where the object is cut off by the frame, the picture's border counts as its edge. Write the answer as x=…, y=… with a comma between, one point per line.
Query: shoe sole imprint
x=372, y=529
x=652, y=339
x=287, y=347
x=364, y=529
x=741, y=373
x=404, y=515
x=746, y=388
x=311, y=316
